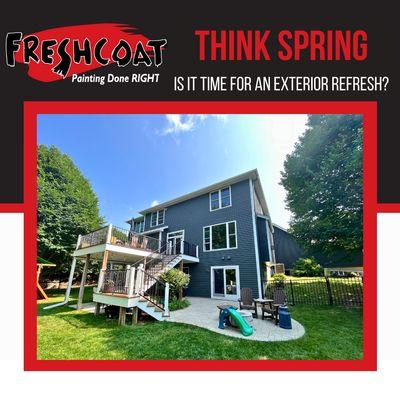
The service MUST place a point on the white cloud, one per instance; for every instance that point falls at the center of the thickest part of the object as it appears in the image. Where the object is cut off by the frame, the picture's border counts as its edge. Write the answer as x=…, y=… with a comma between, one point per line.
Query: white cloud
x=177, y=123
x=154, y=203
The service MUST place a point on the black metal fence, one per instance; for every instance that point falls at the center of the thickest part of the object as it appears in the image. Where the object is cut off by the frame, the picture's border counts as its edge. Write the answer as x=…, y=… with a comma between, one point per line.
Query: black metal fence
x=343, y=291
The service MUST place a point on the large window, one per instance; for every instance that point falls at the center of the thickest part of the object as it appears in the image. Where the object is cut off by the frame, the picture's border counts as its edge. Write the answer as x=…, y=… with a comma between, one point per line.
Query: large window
x=220, y=199
x=220, y=236
x=157, y=218
x=139, y=227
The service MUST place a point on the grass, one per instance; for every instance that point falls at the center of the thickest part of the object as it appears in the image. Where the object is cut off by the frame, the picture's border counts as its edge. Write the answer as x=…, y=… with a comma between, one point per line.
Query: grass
x=64, y=333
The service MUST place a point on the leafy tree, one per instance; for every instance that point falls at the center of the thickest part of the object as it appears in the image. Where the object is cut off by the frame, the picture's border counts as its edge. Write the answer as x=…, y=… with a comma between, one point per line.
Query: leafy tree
x=307, y=267
x=67, y=206
x=177, y=280
x=323, y=180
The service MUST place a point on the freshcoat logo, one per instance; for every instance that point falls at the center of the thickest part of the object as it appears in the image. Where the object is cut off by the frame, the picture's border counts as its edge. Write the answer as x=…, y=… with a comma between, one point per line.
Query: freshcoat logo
x=59, y=53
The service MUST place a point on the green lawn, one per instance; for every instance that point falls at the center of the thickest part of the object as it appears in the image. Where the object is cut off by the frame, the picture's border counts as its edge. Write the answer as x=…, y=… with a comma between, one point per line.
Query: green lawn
x=64, y=333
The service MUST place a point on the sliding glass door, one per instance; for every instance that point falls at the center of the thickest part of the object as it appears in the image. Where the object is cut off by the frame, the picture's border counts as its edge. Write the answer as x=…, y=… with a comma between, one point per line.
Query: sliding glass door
x=225, y=282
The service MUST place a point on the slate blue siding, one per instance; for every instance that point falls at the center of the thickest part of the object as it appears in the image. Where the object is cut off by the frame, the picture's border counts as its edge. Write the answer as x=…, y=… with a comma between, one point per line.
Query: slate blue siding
x=192, y=215
x=262, y=240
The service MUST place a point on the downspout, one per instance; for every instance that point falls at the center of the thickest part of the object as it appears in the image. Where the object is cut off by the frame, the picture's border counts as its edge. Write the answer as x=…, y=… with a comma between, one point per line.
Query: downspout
x=70, y=279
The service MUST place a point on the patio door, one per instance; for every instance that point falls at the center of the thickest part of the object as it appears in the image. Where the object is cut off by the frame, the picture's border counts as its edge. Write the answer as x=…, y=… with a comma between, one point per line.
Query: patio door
x=225, y=282
x=175, y=242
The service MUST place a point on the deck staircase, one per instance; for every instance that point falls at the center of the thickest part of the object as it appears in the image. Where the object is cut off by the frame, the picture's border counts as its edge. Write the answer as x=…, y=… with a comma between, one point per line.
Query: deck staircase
x=141, y=281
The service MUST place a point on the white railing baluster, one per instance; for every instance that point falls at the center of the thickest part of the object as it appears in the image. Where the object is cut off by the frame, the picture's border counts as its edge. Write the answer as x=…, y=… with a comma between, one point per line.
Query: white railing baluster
x=166, y=300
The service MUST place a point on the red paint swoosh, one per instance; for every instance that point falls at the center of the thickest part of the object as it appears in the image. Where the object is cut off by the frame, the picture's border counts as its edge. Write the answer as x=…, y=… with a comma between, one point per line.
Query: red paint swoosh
x=94, y=32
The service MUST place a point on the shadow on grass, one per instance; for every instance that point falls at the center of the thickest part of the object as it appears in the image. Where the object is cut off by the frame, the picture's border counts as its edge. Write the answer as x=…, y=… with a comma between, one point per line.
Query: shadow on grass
x=65, y=333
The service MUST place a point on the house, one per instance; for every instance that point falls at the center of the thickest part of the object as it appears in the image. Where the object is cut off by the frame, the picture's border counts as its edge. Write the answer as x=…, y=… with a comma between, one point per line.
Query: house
x=222, y=235
x=287, y=250
x=229, y=222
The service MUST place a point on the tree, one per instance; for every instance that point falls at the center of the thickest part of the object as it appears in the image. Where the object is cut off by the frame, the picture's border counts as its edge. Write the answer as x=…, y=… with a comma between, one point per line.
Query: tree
x=323, y=180
x=67, y=206
x=177, y=280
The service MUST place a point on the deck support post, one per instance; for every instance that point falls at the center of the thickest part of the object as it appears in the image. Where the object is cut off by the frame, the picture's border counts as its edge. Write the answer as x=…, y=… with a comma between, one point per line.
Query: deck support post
x=97, y=309
x=83, y=281
x=135, y=312
x=102, y=270
x=122, y=316
x=181, y=290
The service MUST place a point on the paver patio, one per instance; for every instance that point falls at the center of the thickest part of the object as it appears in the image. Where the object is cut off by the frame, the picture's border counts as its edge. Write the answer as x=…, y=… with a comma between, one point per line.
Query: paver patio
x=203, y=312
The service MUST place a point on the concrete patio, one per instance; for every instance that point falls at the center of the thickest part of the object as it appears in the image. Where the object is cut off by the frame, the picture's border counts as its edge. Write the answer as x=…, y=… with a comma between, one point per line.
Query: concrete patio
x=203, y=312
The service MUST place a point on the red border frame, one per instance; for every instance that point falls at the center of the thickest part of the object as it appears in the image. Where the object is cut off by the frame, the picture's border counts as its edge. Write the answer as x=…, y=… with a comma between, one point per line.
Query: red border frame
x=367, y=109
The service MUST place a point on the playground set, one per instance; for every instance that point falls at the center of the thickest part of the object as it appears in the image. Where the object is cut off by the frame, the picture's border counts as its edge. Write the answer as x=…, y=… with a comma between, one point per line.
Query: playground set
x=231, y=313
x=40, y=264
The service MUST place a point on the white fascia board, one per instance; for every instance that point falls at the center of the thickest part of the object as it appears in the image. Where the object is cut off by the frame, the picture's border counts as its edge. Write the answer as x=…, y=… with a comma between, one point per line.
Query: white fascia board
x=253, y=174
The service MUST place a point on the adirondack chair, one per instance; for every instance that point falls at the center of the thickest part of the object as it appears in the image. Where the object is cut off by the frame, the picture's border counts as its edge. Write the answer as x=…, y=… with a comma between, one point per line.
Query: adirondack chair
x=246, y=301
x=270, y=309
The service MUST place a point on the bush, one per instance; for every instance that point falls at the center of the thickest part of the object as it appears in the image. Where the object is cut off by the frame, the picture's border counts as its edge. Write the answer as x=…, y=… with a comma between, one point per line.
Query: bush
x=176, y=304
x=307, y=267
x=177, y=279
x=279, y=280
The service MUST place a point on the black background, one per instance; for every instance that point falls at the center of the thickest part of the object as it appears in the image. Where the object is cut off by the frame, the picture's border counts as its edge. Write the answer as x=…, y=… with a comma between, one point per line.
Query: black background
x=177, y=23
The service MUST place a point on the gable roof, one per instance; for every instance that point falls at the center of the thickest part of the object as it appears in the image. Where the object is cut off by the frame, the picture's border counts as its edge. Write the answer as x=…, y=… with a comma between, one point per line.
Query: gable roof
x=252, y=174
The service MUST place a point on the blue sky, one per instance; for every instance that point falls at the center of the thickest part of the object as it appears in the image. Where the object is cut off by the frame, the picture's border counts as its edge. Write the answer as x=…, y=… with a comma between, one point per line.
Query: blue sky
x=134, y=161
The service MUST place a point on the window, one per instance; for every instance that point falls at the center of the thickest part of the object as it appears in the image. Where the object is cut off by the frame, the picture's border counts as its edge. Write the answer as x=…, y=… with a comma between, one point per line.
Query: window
x=220, y=199
x=157, y=218
x=220, y=236
x=139, y=227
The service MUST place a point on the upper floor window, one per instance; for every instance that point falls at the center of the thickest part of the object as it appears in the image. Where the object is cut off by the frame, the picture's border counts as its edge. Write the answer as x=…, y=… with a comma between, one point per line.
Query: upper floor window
x=138, y=226
x=220, y=199
x=220, y=236
x=157, y=218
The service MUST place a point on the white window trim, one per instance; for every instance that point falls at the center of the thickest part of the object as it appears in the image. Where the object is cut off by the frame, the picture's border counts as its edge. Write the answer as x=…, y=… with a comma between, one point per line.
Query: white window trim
x=180, y=230
x=183, y=237
x=157, y=218
x=219, y=198
x=227, y=237
x=232, y=297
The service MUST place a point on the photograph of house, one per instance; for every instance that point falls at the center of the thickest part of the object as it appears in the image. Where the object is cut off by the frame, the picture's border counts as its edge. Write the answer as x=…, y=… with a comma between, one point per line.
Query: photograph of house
x=239, y=245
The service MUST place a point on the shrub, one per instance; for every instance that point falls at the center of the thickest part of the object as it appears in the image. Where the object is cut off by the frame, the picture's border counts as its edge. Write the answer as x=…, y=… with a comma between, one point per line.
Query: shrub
x=279, y=280
x=307, y=267
x=176, y=304
x=177, y=279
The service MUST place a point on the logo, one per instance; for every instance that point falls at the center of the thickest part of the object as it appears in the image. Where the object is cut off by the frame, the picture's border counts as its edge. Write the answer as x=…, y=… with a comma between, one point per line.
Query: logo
x=59, y=53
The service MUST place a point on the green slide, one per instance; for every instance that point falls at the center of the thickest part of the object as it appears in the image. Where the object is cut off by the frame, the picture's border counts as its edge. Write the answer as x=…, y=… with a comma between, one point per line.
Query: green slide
x=242, y=324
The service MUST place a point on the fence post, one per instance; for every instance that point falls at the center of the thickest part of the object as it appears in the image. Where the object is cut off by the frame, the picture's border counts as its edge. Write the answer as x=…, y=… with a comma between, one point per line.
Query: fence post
x=291, y=291
x=328, y=286
x=166, y=300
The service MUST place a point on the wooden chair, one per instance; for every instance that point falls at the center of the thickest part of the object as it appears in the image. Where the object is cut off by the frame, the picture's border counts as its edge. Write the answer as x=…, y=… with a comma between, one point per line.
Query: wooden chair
x=270, y=309
x=246, y=301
